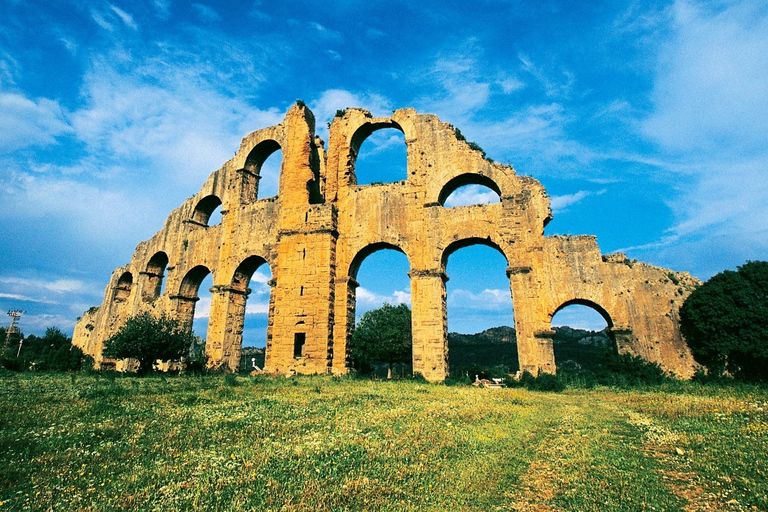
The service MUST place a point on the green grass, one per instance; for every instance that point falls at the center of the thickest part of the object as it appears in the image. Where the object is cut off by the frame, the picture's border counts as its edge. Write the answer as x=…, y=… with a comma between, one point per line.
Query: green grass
x=320, y=443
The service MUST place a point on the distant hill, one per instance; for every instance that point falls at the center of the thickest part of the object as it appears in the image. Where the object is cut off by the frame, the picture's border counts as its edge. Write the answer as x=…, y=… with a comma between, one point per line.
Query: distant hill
x=498, y=347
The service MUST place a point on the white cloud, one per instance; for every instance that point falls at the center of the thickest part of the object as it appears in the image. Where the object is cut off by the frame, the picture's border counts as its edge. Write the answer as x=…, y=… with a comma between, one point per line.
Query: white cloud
x=125, y=17
x=256, y=309
x=101, y=21
x=369, y=300
x=57, y=285
x=710, y=91
x=326, y=33
x=561, y=203
x=203, y=307
x=556, y=84
x=488, y=300
x=206, y=13
x=26, y=123
x=24, y=298
x=710, y=112
x=149, y=113
x=162, y=8
x=37, y=323
x=331, y=100
x=471, y=194
x=510, y=85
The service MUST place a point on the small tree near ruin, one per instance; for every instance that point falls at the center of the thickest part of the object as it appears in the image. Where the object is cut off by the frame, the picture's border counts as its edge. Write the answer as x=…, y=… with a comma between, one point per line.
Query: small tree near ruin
x=383, y=335
x=725, y=322
x=149, y=338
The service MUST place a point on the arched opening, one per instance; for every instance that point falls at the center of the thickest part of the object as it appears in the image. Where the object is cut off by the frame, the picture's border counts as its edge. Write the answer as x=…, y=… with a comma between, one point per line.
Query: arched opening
x=381, y=274
x=208, y=211
x=249, y=311
x=189, y=296
x=263, y=171
x=380, y=154
x=154, y=274
x=582, y=335
x=124, y=287
x=469, y=189
x=202, y=310
x=481, y=334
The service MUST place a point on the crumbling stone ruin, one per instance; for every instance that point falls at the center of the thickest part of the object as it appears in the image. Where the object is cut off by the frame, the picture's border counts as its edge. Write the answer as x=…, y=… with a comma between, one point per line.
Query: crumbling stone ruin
x=319, y=228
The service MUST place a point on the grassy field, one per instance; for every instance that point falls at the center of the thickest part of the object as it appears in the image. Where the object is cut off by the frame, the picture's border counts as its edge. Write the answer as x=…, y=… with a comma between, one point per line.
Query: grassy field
x=319, y=443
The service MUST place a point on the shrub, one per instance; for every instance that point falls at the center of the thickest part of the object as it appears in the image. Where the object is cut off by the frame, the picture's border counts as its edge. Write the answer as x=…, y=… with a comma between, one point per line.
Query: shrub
x=148, y=338
x=544, y=382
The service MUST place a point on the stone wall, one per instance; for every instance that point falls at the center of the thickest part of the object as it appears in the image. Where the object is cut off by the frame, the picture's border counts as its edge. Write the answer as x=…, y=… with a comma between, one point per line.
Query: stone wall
x=320, y=227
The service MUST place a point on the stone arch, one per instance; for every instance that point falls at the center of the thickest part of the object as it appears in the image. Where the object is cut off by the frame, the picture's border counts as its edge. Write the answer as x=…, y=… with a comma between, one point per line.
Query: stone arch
x=369, y=249
x=466, y=179
x=251, y=171
x=476, y=304
x=584, y=302
x=124, y=287
x=466, y=242
x=154, y=273
x=587, y=351
x=352, y=284
x=360, y=135
x=187, y=296
x=244, y=272
x=192, y=280
x=204, y=208
x=226, y=338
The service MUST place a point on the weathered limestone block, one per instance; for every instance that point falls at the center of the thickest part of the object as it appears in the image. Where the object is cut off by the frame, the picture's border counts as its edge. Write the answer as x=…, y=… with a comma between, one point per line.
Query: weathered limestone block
x=322, y=225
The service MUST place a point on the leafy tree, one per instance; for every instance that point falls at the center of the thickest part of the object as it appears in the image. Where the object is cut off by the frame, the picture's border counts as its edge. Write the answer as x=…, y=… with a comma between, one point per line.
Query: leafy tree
x=725, y=322
x=383, y=335
x=52, y=352
x=149, y=338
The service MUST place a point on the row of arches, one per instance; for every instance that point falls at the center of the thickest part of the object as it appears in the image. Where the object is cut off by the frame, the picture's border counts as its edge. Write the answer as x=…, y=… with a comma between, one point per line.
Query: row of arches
x=478, y=297
x=479, y=301
x=379, y=157
x=195, y=292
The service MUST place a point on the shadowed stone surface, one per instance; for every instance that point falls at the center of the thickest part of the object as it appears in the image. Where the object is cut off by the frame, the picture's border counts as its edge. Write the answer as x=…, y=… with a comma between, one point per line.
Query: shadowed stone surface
x=320, y=227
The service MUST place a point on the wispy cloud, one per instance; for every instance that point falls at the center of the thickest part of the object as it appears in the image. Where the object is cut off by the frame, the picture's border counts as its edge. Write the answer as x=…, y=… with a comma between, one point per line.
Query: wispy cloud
x=710, y=105
x=561, y=203
x=205, y=13
x=25, y=122
x=125, y=17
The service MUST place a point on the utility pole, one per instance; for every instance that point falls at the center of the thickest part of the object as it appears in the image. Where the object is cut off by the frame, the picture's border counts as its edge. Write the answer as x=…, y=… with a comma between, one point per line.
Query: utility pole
x=15, y=314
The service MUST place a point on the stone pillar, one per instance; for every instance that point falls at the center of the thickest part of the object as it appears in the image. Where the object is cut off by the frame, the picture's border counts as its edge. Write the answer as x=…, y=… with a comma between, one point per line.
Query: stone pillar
x=249, y=184
x=184, y=308
x=270, y=324
x=535, y=350
x=430, y=329
x=214, y=337
x=224, y=340
x=344, y=307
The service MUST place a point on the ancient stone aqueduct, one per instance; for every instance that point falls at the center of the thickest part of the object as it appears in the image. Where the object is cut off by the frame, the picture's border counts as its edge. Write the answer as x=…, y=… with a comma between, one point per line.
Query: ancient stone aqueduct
x=321, y=226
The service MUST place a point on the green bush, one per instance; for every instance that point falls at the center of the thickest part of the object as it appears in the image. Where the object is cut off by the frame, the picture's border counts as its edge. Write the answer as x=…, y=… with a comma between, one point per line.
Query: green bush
x=149, y=338
x=544, y=382
x=617, y=370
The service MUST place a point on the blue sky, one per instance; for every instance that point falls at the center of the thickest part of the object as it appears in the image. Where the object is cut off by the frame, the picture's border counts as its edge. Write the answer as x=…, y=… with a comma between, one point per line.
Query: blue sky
x=646, y=122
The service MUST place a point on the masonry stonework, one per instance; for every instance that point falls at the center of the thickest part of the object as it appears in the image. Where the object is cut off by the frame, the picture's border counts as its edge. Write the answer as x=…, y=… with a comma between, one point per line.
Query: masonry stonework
x=319, y=228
